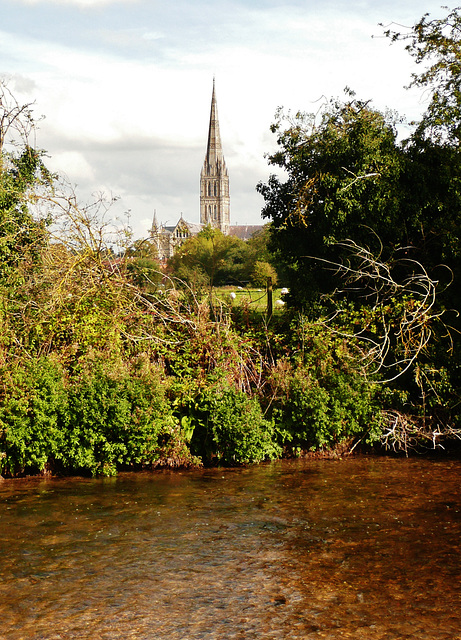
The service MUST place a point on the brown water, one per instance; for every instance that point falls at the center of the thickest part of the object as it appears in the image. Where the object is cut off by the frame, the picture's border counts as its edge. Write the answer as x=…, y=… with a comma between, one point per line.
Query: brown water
x=361, y=548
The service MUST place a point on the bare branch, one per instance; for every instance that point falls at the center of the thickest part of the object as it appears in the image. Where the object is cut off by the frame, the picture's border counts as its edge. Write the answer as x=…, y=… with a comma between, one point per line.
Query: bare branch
x=405, y=433
x=400, y=317
x=16, y=122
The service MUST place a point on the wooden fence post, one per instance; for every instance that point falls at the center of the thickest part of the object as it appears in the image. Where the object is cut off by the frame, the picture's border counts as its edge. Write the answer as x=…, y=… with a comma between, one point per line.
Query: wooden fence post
x=269, y=297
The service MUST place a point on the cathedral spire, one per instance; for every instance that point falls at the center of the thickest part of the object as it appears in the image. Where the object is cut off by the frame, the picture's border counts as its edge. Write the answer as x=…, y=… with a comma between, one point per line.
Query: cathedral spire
x=214, y=152
x=154, y=221
x=214, y=179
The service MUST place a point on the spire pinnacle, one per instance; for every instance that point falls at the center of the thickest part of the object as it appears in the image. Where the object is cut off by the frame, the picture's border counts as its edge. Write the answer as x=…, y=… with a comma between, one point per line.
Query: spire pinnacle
x=154, y=227
x=214, y=152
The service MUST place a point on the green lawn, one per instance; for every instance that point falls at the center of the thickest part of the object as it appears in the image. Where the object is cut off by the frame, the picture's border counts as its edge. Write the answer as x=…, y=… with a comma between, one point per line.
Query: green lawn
x=255, y=298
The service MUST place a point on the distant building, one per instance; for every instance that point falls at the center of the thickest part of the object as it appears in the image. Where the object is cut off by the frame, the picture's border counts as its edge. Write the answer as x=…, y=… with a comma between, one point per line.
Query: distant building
x=244, y=231
x=168, y=238
x=214, y=178
x=214, y=198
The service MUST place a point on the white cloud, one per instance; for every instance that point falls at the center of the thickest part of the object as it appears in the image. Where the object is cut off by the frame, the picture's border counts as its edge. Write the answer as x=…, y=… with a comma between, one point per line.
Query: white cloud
x=153, y=35
x=20, y=84
x=137, y=126
x=72, y=163
x=78, y=3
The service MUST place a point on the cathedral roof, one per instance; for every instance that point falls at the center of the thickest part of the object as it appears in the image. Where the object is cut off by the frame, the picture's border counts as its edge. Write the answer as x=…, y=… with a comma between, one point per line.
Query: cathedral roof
x=244, y=231
x=194, y=228
x=191, y=226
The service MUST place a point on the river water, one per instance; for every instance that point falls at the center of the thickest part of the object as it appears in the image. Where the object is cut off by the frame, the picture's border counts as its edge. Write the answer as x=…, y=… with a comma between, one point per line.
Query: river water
x=364, y=548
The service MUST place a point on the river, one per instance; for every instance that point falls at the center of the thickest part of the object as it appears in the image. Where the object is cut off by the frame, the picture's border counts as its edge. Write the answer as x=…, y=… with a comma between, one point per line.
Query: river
x=363, y=548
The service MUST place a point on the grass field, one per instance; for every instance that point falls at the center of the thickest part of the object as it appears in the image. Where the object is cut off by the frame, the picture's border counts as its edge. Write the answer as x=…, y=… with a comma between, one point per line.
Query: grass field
x=256, y=299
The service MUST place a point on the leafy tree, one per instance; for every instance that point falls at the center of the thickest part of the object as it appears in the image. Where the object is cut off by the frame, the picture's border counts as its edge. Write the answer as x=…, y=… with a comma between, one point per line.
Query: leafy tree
x=261, y=272
x=210, y=257
x=22, y=176
x=143, y=248
x=349, y=179
x=436, y=42
x=343, y=178
x=371, y=226
x=143, y=265
x=434, y=169
x=260, y=262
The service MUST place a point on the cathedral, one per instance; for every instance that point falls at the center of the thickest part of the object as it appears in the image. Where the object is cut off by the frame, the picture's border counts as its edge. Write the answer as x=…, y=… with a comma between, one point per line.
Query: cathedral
x=214, y=178
x=214, y=198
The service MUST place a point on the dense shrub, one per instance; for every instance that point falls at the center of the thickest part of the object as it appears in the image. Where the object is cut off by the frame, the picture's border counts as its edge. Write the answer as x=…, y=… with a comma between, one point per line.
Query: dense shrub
x=230, y=428
x=96, y=421
x=33, y=400
x=321, y=398
x=116, y=419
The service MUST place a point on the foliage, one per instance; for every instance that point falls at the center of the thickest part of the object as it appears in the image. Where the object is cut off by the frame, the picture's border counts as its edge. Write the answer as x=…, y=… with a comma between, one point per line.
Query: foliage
x=116, y=418
x=212, y=258
x=102, y=418
x=437, y=42
x=143, y=266
x=350, y=181
x=368, y=234
x=321, y=397
x=261, y=272
x=260, y=263
x=104, y=367
x=32, y=400
x=432, y=195
x=22, y=176
x=342, y=172
x=231, y=428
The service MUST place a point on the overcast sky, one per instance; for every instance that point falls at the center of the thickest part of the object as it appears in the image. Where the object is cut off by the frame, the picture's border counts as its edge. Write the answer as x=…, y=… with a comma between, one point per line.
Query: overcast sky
x=125, y=86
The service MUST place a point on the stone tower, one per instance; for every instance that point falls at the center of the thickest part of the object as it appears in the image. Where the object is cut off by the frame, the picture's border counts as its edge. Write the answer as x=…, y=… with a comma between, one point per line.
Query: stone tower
x=214, y=178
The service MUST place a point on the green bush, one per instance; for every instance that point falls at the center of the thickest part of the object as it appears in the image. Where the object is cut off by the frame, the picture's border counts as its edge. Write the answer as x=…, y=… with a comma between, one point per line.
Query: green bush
x=322, y=398
x=319, y=414
x=116, y=419
x=32, y=402
x=231, y=429
x=97, y=421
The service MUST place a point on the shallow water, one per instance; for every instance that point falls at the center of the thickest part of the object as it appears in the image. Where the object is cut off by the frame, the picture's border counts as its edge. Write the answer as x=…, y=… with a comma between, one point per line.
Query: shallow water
x=364, y=548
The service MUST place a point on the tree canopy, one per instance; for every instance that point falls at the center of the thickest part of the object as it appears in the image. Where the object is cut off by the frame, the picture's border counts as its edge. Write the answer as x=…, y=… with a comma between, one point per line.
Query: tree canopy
x=349, y=177
x=344, y=172
x=435, y=43
x=367, y=227
x=212, y=258
x=22, y=174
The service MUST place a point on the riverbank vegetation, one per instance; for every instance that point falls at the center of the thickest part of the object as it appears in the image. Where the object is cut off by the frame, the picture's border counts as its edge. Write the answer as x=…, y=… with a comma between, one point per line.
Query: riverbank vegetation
x=109, y=362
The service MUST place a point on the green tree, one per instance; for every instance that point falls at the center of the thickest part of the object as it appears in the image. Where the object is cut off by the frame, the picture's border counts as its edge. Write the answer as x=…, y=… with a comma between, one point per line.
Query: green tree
x=369, y=228
x=143, y=265
x=261, y=272
x=260, y=262
x=22, y=177
x=435, y=44
x=343, y=180
x=433, y=178
x=210, y=257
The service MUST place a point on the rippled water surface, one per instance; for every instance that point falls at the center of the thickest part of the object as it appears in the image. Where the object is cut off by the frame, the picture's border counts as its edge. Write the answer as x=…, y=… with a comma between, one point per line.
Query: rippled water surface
x=364, y=548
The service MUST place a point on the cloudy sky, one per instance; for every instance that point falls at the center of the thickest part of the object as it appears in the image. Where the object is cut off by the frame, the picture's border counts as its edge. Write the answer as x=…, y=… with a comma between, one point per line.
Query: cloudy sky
x=125, y=86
